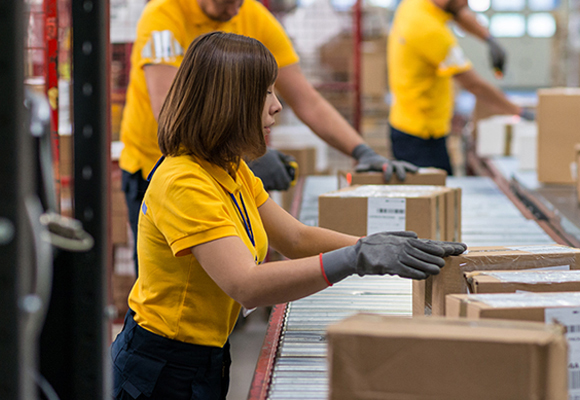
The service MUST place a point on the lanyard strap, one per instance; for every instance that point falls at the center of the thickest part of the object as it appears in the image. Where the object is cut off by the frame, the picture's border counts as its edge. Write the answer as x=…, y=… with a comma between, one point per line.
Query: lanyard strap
x=246, y=220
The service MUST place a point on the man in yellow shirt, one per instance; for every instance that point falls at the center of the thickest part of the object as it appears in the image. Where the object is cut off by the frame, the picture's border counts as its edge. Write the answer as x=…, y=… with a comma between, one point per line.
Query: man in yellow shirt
x=423, y=57
x=164, y=32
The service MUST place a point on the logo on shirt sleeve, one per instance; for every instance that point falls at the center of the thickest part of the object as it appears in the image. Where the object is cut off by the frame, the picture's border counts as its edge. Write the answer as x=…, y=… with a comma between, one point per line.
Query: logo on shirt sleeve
x=455, y=59
x=144, y=208
x=162, y=46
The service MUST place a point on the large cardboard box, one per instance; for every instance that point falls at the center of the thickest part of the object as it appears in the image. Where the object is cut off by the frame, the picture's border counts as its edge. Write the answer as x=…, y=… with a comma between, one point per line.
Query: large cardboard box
x=425, y=176
x=429, y=358
x=524, y=280
x=451, y=279
x=367, y=209
x=562, y=308
x=558, y=121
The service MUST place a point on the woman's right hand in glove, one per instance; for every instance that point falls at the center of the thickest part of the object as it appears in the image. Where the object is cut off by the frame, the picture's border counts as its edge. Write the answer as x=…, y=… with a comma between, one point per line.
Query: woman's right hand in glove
x=392, y=253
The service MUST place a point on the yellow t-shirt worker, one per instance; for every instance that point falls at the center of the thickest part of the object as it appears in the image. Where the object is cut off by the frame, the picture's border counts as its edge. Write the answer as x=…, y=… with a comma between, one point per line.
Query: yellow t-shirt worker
x=165, y=30
x=423, y=57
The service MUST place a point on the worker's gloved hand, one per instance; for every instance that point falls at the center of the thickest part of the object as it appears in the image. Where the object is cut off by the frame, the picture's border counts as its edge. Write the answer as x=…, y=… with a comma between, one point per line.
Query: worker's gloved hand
x=271, y=169
x=369, y=160
x=497, y=55
x=393, y=253
x=527, y=114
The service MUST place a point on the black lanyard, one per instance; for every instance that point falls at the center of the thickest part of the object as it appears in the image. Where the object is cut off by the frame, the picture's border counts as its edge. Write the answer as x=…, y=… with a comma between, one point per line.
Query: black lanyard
x=246, y=220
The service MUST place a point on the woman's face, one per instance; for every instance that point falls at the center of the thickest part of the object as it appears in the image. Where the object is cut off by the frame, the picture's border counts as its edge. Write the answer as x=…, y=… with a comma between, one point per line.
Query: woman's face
x=271, y=106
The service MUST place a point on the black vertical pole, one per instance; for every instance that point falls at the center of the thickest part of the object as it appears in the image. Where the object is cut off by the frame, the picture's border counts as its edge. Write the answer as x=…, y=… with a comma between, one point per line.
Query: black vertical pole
x=17, y=182
x=74, y=345
x=91, y=191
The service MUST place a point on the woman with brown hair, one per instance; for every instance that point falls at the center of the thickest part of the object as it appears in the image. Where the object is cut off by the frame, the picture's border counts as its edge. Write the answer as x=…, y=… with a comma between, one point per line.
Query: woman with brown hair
x=206, y=223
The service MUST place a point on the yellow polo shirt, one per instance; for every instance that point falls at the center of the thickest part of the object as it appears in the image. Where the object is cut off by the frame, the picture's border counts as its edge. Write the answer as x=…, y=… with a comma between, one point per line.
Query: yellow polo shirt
x=422, y=57
x=164, y=32
x=187, y=204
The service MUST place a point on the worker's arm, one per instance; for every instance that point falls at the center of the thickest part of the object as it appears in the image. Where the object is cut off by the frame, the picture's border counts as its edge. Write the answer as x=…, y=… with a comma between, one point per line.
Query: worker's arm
x=159, y=78
x=315, y=111
x=466, y=19
x=330, y=126
x=487, y=93
x=231, y=265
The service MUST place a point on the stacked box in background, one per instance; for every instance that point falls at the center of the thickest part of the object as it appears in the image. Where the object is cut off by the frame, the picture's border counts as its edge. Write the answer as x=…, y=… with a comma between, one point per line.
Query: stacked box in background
x=425, y=176
x=558, y=122
x=550, y=308
x=523, y=280
x=451, y=279
x=391, y=358
x=119, y=213
x=306, y=160
x=367, y=209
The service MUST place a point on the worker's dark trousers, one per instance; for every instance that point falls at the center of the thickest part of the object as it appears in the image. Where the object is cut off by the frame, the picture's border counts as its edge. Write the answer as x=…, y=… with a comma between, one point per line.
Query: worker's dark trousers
x=149, y=366
x=134, y=187
x=421, y=152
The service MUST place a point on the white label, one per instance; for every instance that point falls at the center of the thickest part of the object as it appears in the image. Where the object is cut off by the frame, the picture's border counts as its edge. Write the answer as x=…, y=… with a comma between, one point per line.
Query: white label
x=385, y=215
x=570, y=318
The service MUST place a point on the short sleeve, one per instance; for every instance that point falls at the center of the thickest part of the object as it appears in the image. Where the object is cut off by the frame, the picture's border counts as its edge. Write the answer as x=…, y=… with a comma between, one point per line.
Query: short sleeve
x=443, y=52
x=256, y=185
x=158, y=39
x=193, y=213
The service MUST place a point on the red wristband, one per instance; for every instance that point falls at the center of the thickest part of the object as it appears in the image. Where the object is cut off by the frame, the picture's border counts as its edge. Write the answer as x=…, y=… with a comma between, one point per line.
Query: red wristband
x=322, y=269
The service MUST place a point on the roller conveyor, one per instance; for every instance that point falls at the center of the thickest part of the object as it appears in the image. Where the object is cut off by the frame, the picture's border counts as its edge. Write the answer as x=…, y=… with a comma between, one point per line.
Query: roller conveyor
x=293, y=365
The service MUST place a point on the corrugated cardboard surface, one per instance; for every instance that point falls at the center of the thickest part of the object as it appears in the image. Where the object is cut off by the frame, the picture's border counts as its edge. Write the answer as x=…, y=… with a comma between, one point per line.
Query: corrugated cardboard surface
x=375, y=357
x=425, y=176
x=425, y=215
x=462, y=305
x=577, y=150
x=479, y=283
x=451, y=279
x=558, y=122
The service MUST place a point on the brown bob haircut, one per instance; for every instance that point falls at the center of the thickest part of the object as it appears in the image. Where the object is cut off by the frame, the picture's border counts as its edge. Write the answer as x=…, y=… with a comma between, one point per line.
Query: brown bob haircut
x=213, y=110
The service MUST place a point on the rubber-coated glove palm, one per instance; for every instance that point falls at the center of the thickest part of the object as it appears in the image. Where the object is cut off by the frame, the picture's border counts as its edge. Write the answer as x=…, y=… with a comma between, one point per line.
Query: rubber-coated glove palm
x=271, y=169
x=496, y=54
x=393, y=253
x=369, y=160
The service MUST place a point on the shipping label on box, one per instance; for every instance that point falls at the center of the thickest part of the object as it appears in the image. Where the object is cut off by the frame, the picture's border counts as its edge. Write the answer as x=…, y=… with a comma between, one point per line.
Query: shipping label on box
x=381, y=357
x=451, y=279
x=524, y=280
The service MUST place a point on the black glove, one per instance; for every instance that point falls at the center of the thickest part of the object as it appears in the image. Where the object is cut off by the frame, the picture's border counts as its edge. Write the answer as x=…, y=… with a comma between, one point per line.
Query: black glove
x=528, y=114
x=496, y=54
x=393, y=253
x=272, y=169
x=368, y=160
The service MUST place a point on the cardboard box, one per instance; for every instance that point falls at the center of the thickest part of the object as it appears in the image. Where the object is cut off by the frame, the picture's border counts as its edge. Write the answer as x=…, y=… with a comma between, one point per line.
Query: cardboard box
x=425, y=176
x=558, y=121
x=65, y=146
x=512, y=306
x=577, y=149
x=451, y=279
x=367, y=209
x=428, y=358
x=525, y=280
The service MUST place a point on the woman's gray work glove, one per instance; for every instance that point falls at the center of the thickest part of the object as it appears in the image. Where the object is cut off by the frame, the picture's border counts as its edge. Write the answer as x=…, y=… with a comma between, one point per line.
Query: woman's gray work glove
x=369, y=160
x=393, y=253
